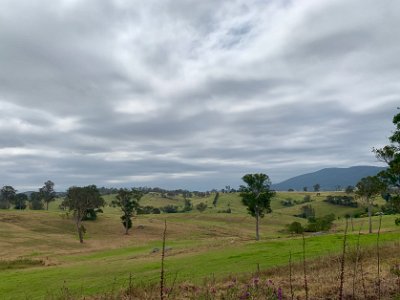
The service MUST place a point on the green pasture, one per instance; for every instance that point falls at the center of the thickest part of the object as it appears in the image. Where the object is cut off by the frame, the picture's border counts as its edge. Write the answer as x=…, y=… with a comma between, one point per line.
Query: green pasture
x=41, y=253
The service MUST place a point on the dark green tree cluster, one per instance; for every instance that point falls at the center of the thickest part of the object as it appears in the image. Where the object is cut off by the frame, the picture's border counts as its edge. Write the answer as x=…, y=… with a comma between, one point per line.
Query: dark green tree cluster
x=314, y=224
x=341, y=200
x=9, y=197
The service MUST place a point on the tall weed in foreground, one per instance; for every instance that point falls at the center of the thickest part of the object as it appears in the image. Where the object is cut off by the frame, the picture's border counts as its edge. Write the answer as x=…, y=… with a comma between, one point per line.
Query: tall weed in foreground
x=162, y=291
x=290, y=276
x=342, y=261
x=378, y=256
x=356, y=261
x=305, y=267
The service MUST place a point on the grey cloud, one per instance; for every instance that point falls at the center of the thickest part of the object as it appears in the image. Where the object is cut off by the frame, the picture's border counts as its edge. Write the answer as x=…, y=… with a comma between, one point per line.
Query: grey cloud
x=232, y=87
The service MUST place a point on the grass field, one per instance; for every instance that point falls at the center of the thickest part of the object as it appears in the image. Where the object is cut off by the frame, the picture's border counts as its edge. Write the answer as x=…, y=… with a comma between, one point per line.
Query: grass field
x=41, y=253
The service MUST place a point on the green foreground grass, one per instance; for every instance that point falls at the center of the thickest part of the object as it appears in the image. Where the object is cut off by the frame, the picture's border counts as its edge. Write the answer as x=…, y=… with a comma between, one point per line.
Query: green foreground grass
x=200, y=245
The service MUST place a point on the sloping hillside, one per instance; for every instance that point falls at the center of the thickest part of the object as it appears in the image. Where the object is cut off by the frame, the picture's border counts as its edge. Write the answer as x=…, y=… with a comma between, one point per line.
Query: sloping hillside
x=329, y=179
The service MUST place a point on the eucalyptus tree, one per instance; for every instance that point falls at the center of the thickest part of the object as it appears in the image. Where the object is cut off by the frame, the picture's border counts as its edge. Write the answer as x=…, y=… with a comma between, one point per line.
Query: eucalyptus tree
x=35, y=201
x=47, y=192
x=20, y=201
x=128, y=202
x=7, y=196
x=257, y=195
x=79, y=200
x=390, y=154
x=367, y=189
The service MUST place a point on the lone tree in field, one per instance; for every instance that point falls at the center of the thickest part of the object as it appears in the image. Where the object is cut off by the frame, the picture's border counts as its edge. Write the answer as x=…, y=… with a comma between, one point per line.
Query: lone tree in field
x=80, y=200
x=215, y=201
x=128, y=202
x=367, y=189
x=7, y=196
x=47, y=192
x=256, y=195
x=390, y=154
x=317, y=187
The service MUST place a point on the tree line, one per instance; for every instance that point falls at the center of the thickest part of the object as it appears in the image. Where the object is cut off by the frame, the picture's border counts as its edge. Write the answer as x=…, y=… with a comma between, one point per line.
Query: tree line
x=36, y=200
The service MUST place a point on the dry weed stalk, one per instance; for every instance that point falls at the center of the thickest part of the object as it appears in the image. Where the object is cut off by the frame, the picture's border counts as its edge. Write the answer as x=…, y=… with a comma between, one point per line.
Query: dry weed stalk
x=162, y=262
x=378, y=256
x=342, y=261
x=304, y=267
x=290, y=276
x=356, y=261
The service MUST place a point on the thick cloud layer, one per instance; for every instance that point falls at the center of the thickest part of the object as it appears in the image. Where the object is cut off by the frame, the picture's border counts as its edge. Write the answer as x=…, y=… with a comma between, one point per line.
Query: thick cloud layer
x=192, y=94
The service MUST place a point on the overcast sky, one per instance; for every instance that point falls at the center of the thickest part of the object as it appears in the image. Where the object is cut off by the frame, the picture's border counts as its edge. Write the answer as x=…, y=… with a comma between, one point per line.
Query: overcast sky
x=193, y=94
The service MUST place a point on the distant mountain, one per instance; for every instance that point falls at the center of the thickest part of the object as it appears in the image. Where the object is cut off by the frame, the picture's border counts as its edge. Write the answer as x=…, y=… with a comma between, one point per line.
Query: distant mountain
x=329, y=179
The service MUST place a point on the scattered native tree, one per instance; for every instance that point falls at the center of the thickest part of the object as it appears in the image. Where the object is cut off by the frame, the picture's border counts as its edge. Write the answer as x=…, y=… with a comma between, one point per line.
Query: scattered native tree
x=215, y=201
x=80, y=200
x=35, y=201
x=48, y=193
x=20, y=201
x=187, y=206
x=367, y=189
x=316, y=187
x=128, y=202
x=305, y=189
x=256, y=195
x=7, y=196
x=390, y=154
x=307, y=211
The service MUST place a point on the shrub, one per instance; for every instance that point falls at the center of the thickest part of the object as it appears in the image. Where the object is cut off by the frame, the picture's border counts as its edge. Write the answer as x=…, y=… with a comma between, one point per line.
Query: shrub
x=187, y=206
x=320, y=224
x=156, y=211
x=296, y=227
x=170, y=209
x=201, y=207
x=287, y=202
x=397, y=221
x=145, y=210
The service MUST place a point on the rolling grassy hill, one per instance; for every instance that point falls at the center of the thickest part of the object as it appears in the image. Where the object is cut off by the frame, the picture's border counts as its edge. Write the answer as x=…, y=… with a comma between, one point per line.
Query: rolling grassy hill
x=200, y=244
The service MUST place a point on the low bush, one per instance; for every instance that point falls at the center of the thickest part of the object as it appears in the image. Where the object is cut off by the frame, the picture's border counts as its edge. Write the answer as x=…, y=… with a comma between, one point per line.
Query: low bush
x=320, y=224
x=296, y=227
x=201, y=207
x=170, y=209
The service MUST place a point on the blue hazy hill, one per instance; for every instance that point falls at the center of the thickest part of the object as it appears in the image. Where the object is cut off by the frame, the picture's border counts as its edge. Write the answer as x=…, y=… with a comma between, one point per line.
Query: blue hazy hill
x=329, y=179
